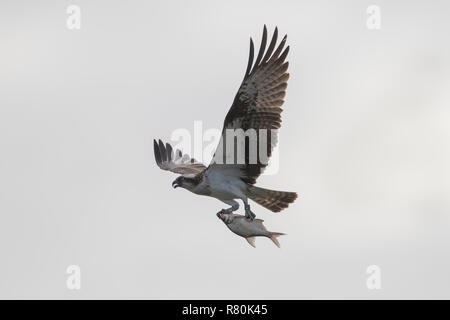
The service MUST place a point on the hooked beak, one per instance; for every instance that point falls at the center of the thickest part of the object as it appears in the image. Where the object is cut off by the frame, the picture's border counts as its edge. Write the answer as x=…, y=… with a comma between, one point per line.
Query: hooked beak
x=175, y=184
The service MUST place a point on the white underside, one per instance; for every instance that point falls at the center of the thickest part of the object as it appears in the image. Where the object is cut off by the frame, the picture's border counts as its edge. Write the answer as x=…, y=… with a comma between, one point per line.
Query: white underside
x=223, y=185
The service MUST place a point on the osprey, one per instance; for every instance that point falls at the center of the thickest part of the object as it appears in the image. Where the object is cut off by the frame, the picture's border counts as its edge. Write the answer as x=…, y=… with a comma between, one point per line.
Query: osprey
x=256, y=108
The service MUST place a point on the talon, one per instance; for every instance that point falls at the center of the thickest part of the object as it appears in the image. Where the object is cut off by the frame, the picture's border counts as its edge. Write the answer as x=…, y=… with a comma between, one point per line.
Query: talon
x=228, y=219
x=249, y=214
x=227, y=213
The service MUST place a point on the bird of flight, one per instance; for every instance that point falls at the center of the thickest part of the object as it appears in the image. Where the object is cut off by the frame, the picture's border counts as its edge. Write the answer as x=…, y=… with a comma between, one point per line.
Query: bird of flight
x=251, y=125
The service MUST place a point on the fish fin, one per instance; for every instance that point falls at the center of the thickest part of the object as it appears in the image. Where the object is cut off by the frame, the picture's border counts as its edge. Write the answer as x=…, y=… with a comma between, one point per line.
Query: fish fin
x=260, y=222
x=251, y=241
x=273, y=237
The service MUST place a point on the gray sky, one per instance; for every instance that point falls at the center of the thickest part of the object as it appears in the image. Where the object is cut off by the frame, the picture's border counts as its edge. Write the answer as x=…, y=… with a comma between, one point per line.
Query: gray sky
x=364, y=141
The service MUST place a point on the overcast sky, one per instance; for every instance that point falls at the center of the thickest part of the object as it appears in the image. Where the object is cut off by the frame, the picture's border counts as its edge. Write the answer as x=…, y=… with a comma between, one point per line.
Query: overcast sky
x=364, y=142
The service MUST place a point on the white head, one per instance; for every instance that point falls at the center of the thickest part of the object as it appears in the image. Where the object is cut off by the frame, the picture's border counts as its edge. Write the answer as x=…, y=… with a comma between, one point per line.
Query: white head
x=186, y=181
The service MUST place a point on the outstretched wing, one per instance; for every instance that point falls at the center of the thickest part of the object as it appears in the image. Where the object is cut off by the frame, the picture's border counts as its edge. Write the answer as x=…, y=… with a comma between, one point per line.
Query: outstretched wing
x=178, y=163
x=257, y=105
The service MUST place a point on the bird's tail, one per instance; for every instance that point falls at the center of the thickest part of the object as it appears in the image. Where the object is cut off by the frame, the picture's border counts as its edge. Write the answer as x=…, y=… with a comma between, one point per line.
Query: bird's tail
x=273, y=200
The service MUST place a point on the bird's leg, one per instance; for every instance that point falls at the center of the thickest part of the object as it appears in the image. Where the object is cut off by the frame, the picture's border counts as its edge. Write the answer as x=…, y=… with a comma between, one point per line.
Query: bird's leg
x=234, y=206
x=248, y=213
x=228, y=211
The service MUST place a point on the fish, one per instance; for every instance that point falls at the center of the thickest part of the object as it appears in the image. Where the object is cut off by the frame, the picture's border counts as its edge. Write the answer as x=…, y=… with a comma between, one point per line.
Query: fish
x=248, y=229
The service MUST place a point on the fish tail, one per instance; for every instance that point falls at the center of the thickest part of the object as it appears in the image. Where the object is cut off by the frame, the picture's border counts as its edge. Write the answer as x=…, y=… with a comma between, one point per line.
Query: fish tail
x=273, y=237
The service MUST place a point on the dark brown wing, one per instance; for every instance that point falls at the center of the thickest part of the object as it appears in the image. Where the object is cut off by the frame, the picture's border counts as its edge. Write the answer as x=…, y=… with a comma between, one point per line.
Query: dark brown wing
x=258, y=101
x=177, y=163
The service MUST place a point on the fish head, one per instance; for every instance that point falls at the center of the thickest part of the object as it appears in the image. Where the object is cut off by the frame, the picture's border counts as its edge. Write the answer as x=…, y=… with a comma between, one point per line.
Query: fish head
x=227, y=218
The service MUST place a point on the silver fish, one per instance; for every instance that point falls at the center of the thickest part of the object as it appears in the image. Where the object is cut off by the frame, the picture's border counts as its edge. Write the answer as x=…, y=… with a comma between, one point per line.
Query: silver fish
x=249, y=229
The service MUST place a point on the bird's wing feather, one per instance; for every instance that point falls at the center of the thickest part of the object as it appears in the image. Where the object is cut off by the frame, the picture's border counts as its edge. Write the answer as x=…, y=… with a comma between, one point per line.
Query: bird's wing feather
x=257, y=104
x=176, y=162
